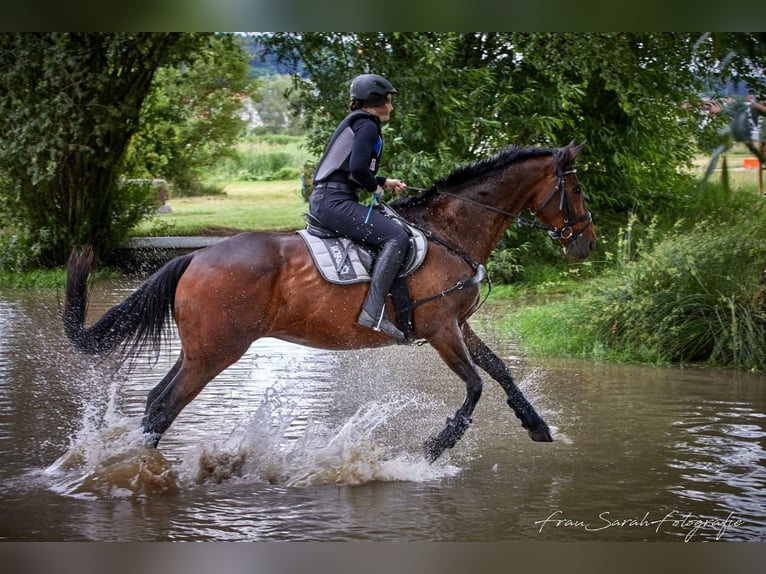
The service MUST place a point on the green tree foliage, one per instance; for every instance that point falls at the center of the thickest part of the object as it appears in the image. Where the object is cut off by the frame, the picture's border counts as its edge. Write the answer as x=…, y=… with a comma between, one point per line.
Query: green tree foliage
x=273, y=108
x=69, y=105
x=191, y=117
x=464, y=95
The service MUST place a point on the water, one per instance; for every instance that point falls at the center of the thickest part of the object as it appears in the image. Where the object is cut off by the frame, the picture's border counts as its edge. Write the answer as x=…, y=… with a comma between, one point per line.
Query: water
x=293, y=443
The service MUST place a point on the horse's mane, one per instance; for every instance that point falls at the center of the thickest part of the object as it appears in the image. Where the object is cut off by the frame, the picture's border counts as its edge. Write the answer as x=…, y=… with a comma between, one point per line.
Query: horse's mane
x=474, y=170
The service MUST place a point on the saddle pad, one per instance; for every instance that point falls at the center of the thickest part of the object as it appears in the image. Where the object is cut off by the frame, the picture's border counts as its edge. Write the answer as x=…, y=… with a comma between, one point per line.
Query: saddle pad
x=343, y=261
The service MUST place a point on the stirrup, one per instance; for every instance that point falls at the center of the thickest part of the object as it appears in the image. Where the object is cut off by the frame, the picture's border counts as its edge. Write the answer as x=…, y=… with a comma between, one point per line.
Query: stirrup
x=382, y=324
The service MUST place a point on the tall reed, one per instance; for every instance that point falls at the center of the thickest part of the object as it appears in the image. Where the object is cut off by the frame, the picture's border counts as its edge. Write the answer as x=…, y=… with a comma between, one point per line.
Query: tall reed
x=693, y=297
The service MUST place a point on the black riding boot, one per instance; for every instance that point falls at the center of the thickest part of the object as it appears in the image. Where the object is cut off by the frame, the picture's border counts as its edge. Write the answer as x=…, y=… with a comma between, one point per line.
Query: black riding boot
x=387, y=266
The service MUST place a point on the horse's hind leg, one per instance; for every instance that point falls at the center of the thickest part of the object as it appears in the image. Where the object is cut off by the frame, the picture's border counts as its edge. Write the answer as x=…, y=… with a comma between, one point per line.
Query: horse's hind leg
x=177, y=389
x=485, y=358
x=170, y=398
x=162, y=386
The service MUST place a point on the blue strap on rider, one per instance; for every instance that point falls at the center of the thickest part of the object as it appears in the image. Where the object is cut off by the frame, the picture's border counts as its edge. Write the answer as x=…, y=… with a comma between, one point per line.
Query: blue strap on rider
x=373, y=201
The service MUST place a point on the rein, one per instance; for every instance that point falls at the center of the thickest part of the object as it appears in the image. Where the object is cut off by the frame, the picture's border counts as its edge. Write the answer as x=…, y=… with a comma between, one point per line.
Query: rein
x=480, y=271
x=566, y=232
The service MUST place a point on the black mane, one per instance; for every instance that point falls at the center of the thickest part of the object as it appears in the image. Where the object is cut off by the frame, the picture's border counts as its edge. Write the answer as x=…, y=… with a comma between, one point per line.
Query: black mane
x=476, y=169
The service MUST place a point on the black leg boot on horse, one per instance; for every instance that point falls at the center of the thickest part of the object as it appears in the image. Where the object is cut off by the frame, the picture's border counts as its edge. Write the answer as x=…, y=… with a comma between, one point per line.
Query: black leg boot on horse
x=387, y=266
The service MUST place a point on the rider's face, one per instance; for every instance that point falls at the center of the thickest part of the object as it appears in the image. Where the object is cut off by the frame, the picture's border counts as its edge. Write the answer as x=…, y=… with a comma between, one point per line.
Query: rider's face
x=383, y=111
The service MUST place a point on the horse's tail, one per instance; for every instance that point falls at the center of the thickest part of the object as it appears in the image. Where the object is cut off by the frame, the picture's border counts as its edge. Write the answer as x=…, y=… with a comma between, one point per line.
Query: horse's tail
x=140, y=322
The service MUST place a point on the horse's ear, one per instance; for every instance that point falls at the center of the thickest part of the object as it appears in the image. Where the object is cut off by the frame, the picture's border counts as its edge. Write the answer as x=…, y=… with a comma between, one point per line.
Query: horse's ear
x=570, y=152
x=575, y=150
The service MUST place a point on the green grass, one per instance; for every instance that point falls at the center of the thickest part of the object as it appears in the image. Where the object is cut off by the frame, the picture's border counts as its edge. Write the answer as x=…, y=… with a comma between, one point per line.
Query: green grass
x=252, y=205
x=540, y=327
x=739, y=177
x=44, y=278
x=265, y=158
x=38, y=279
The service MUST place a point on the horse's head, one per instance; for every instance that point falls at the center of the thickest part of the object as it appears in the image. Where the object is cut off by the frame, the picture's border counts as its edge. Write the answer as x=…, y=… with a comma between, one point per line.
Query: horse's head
x=563, y=207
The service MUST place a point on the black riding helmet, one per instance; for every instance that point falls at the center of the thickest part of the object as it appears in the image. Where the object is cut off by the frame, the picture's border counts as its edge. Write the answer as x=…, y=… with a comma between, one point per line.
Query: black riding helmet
x=371, y=89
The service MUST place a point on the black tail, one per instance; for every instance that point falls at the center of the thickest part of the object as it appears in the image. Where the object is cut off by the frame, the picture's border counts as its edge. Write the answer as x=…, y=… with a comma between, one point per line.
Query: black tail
x=138, y=323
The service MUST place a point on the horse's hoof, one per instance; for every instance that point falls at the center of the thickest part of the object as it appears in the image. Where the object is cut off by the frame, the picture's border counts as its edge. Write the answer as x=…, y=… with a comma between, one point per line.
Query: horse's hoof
x=433, y=449
x=151, y=439
x=541, y=434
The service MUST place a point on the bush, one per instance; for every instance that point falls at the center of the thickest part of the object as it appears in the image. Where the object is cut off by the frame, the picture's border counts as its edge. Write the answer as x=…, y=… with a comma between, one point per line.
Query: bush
x=693, y=297
x=195, y=188
x=672, y=290
x=18, y=251
x=504, y=265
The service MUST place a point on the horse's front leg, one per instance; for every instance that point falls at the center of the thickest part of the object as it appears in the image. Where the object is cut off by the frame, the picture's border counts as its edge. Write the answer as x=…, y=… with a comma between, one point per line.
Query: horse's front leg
x=485, y=358
x=452, y=349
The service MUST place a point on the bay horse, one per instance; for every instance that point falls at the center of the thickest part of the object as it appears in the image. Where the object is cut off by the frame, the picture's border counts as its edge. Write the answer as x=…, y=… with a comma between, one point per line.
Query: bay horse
x=265, y=284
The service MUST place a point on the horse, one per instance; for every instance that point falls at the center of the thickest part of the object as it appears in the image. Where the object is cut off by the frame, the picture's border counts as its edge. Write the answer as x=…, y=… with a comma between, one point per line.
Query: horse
x=264, y=284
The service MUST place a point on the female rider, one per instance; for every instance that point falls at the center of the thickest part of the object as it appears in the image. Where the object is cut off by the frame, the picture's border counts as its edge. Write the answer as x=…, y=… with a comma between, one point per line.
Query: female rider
x=349, y=164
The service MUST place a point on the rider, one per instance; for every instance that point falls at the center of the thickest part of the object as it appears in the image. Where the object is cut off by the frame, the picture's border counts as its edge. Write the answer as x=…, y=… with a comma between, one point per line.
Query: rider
x=349, y=164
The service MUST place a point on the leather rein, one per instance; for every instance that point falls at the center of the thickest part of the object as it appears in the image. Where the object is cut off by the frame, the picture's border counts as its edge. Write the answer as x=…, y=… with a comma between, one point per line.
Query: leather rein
x=566, y=232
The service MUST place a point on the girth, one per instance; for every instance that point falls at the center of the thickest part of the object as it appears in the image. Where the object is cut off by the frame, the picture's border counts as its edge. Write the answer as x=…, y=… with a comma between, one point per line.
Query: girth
x=344, y=261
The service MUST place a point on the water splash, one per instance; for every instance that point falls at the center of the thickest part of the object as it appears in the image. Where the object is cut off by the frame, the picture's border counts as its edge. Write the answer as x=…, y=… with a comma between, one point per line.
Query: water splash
x=107, y=457
x=279, y=443
x=112, y=463
x=279, y=446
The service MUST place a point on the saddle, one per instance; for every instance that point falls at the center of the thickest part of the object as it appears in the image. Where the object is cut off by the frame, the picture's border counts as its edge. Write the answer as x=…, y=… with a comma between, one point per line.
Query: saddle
x=344, y=261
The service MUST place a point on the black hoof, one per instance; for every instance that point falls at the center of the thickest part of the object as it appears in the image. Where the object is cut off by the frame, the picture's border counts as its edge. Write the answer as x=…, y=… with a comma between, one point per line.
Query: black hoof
x=433, y=449
x=447, y=438
x=151, y=439
x=541, y=434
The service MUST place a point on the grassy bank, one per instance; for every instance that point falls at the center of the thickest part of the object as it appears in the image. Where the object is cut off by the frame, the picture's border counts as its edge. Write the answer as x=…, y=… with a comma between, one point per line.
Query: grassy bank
x=681, y=294
x=41, y=279
x=243, y=205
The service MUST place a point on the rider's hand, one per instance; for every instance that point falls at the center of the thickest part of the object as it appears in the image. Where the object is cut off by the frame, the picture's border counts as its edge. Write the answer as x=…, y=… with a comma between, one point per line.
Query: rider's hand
x=397, y=185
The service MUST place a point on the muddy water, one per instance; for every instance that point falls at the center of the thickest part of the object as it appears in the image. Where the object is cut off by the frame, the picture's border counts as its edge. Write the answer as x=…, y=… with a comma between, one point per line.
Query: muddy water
x=294, y=443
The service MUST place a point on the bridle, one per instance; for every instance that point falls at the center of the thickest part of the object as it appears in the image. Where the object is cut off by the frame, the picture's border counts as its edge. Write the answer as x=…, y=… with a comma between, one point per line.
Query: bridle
x=565, y=233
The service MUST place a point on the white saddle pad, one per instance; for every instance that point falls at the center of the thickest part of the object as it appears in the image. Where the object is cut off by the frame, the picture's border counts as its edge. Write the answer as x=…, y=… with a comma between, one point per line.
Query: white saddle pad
x=343, y=261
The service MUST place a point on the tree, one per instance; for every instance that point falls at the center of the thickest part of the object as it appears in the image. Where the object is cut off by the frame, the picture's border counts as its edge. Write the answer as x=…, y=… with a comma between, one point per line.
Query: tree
x=192, y=117
x=69, y=105
x=464, y=95
x=273, y=107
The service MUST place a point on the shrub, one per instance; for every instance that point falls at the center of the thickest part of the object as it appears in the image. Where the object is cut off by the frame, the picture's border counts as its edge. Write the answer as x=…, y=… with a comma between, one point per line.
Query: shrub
x=693, y=297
